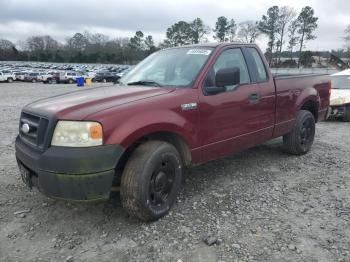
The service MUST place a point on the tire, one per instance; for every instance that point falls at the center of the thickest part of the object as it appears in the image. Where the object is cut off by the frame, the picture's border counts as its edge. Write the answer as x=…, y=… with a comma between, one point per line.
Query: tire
x=151, y=180
x=104, y=80
x=33, y=80
x=301, y=138
x=9, y=80
x=347, y=114
x=49, y=81
x=70, y=81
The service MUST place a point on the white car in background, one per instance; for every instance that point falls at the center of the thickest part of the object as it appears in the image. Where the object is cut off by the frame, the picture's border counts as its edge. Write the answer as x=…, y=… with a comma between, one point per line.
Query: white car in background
x=7, y=77
x=340, y=95
x=48, y=77
x=68, y=77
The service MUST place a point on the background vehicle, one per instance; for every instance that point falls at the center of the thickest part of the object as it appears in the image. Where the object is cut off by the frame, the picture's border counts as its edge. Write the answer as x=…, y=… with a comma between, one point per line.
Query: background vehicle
x=31, y=77
x=179, y=107
x=340, y=95
x=7, y=76
x=106, y=77
x=68, y=77
x=20, y=75
x=123, y=71
x=49, y=78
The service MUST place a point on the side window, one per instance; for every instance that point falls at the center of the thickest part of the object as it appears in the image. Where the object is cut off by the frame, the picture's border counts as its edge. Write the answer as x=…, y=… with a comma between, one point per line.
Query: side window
x=259, y=65
x=228, y=59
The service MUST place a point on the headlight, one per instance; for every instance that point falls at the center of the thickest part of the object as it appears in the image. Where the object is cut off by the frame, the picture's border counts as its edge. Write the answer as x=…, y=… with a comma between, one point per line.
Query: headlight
x=77, y=134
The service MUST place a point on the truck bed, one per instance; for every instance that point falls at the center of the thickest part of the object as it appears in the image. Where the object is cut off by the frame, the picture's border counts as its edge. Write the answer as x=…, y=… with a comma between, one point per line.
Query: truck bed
x=293, y=90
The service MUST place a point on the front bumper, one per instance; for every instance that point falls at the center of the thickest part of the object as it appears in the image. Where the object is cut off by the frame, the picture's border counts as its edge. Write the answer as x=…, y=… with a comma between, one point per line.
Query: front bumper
x=337, y=111
x=84, y=174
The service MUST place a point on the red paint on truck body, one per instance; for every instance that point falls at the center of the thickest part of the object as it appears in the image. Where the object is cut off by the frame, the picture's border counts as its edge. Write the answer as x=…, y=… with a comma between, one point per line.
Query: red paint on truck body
x=221, y=124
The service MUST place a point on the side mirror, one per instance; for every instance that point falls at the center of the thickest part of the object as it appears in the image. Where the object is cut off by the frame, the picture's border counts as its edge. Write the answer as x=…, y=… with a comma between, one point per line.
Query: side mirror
x=223, y=78
x=227, y=77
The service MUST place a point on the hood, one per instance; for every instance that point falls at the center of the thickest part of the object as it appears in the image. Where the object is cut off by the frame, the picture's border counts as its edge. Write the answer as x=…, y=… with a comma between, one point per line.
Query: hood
x=340, y=96
x=80, y=104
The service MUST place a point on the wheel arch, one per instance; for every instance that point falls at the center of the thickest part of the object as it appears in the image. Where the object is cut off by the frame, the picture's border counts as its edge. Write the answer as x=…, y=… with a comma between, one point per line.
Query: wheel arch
x=170, y=137
x=310, y=105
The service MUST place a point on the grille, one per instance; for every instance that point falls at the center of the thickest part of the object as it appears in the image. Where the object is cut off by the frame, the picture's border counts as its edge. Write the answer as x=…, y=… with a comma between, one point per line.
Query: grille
x=37, y=129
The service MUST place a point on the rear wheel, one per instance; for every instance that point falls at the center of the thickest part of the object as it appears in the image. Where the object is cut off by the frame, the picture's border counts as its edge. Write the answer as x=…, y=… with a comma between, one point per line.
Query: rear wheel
x=9, y=80
x=49, y=81
x=151, y=180
x=70, y=81
x=301, y=138
x=33, y=80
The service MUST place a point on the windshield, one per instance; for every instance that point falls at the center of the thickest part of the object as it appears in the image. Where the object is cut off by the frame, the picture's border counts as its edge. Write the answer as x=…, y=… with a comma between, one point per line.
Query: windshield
x=172, y=67
x=341, y=82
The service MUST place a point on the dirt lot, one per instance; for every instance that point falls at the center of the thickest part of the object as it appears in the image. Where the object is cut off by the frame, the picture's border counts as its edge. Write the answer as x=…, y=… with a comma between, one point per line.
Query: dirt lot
x=260, y=205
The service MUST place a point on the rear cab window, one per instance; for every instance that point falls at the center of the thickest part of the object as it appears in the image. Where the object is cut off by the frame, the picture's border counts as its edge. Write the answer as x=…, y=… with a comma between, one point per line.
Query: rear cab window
x=258, y=64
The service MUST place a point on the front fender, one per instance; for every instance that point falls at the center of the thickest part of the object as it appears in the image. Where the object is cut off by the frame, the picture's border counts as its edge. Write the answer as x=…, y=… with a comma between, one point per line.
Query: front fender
x=149, y=122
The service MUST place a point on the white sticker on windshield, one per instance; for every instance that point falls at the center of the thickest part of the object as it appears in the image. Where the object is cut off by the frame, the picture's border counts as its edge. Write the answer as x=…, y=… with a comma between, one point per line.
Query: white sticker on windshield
x=199, y=52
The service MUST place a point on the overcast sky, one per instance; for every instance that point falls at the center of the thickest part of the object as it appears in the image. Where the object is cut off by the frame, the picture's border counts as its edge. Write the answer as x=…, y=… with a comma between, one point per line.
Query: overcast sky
x=61, y=18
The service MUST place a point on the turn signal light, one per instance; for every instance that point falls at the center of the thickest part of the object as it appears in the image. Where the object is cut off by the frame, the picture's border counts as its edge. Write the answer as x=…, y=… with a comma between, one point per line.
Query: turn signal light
x=96, y=131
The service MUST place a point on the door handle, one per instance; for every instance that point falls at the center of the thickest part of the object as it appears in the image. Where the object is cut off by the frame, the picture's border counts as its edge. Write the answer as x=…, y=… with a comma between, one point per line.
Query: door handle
x=254, y=98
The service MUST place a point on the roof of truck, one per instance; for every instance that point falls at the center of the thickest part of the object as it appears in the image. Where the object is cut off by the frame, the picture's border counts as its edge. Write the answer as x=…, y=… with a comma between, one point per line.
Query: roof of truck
x=213, y=45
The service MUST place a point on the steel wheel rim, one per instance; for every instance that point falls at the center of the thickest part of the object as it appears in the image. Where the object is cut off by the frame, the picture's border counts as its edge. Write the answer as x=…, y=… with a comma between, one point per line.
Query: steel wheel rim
x=161, y=182
x=306, y=132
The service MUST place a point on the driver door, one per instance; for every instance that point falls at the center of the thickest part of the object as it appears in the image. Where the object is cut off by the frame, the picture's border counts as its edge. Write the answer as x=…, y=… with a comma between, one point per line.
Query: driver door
x=229, y=120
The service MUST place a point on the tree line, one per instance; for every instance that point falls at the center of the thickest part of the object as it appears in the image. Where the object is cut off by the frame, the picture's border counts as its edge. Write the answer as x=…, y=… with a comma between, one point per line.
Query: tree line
x=286, y=30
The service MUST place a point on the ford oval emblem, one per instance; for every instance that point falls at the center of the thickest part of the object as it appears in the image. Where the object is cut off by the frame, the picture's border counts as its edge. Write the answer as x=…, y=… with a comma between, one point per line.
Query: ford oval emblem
x=25, y=128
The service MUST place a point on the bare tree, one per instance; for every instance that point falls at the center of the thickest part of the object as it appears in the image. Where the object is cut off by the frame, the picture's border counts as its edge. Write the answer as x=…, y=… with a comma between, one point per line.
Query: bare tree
x=347, y=36
x=78, y=42
x=6, y=44
x=286, y=15
x=97, y=39
x=293, y=37
x=7, y=49
x=35, y=44
x=249, y=31
x=198, y=30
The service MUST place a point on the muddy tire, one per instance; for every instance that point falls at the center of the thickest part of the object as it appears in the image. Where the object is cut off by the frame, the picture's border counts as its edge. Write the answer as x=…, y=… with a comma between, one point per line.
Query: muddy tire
x=301, y=138
x=151, y=180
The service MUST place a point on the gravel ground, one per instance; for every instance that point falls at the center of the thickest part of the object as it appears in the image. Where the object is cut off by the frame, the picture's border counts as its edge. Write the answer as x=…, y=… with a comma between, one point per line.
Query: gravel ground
x=259, y=205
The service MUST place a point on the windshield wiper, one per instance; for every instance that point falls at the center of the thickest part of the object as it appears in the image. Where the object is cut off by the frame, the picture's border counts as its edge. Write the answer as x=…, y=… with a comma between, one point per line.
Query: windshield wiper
x=144, y=83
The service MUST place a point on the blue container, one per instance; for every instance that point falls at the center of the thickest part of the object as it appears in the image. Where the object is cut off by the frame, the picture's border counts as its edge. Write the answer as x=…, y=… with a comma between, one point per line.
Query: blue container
x=80, y=81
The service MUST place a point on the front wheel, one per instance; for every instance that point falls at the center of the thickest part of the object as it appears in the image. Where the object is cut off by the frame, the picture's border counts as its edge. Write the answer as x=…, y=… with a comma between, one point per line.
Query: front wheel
x=9, y=80
x=301, y=138
x=151, y=180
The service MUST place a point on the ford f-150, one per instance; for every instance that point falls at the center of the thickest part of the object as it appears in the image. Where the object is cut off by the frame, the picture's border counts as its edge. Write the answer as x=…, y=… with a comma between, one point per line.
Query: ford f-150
x=179, y=107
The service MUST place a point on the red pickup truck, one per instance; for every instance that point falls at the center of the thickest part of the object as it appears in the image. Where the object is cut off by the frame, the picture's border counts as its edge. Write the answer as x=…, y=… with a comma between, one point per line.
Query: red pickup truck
x=179, y=107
